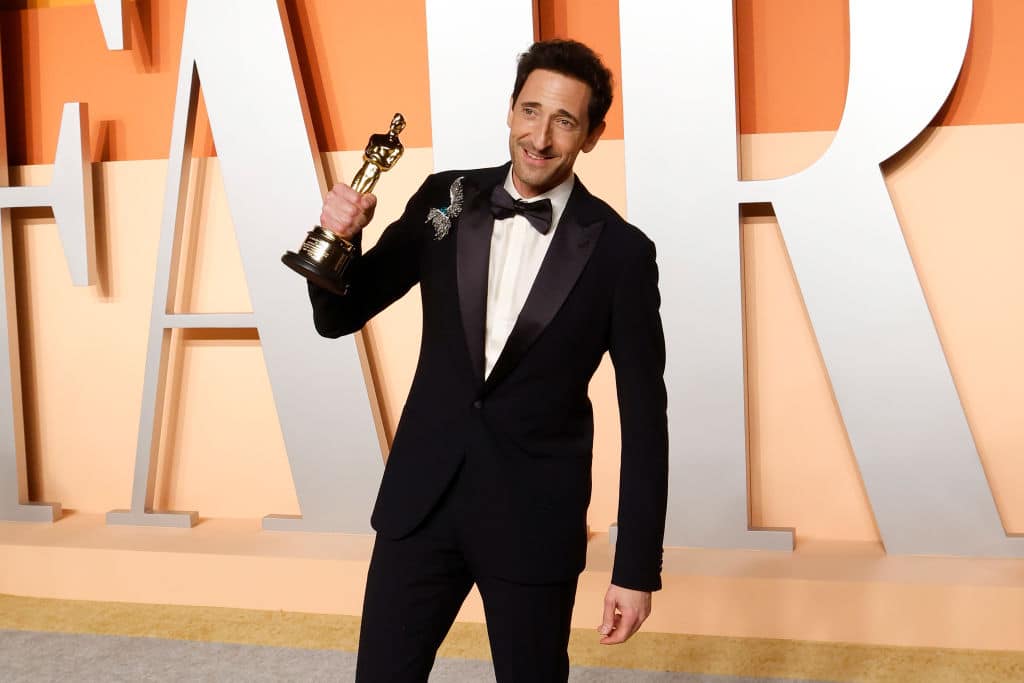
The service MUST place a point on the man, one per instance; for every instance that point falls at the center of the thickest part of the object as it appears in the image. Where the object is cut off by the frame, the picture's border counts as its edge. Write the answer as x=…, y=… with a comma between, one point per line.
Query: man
x=526, y=280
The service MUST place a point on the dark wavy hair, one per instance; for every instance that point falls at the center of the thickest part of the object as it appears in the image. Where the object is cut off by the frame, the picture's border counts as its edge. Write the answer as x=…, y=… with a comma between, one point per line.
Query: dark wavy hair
x=573, y=59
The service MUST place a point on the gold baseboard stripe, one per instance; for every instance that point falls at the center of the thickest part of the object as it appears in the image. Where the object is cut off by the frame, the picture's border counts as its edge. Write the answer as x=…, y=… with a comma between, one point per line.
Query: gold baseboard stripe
x=752, y=657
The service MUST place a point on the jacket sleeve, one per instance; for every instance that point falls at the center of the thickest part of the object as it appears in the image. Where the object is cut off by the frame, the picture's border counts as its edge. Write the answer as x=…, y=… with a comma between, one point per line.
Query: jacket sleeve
x=377, y=278
x=637, y=348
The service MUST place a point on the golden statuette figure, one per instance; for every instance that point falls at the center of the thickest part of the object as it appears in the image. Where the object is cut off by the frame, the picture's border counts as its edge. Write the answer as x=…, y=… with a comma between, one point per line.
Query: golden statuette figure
x=324, y=256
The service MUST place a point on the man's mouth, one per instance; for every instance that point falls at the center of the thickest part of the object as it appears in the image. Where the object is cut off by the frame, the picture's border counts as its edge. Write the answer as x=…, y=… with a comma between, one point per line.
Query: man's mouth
x=535, y=156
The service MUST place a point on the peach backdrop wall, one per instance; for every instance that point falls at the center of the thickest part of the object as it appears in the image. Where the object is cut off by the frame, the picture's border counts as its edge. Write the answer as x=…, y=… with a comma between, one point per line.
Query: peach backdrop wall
x=83, y=349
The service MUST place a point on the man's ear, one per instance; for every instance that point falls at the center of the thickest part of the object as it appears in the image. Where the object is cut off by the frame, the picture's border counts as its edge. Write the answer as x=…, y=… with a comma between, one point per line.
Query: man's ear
x=508, y=119
x=592, y=137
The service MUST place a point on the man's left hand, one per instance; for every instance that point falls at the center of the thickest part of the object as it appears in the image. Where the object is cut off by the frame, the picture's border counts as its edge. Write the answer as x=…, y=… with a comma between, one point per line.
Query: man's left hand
x=624, y=611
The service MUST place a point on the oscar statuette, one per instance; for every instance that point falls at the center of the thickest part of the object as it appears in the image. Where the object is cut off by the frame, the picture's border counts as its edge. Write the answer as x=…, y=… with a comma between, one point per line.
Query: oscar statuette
x=324, y=256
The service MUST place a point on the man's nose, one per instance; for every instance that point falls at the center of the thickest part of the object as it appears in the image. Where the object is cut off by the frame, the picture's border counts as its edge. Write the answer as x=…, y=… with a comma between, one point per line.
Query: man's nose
x=541, y=137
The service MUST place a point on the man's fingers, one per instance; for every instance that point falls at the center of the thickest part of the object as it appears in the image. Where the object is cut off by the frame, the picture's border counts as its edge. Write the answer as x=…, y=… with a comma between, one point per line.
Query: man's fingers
x=345, y=211
x=328, y=221
x=627, y=625
x=633, y=607
x=345, y=192
x=615, y=624
x=608, y=619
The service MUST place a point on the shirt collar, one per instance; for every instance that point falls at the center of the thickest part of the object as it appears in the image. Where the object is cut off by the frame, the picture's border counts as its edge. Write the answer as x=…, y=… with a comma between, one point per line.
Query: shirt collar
x=559, y=196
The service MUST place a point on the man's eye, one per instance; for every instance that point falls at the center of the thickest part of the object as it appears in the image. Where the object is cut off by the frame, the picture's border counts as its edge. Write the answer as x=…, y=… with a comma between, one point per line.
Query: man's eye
x=529, y=111
x=565, y=123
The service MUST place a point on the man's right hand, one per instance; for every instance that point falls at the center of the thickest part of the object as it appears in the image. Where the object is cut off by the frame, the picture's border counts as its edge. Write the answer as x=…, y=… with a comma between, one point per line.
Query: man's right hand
x=346, y=212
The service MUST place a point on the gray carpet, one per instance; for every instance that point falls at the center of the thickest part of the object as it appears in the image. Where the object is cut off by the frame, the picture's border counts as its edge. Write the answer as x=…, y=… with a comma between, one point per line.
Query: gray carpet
x=33, y=656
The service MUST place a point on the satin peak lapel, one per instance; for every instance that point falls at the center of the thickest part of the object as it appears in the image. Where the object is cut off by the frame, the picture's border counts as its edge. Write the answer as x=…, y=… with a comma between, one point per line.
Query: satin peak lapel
x=574, y=241
x=473, y=256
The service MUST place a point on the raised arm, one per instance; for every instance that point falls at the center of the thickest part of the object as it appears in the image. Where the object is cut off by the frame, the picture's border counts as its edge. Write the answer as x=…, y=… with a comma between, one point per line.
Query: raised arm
x=378, y=277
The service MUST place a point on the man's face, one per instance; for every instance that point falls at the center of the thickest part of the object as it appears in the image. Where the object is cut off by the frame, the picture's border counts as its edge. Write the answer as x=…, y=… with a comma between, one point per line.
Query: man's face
x=547, y=129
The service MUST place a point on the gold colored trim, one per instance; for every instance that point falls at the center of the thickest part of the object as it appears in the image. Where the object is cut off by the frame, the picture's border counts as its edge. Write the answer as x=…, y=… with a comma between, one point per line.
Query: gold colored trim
x=752, y=657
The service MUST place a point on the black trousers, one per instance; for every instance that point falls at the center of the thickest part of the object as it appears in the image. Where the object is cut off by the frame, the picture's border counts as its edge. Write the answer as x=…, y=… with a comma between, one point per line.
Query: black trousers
x=416, y=586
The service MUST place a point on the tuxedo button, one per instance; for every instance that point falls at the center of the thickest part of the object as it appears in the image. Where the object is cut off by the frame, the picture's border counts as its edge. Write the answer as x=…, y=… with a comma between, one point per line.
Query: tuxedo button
x=478, y=404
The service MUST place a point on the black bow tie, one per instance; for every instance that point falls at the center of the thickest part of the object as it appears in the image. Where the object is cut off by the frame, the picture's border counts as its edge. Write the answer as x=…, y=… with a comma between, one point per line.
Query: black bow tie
x=538, y=212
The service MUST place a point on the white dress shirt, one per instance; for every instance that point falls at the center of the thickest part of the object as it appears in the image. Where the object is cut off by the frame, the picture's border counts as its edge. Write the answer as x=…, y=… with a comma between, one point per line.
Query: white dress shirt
x=517, y=251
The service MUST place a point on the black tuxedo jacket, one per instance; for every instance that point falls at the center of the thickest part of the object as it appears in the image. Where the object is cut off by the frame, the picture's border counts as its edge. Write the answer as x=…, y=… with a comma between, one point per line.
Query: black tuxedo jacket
x=525, y=433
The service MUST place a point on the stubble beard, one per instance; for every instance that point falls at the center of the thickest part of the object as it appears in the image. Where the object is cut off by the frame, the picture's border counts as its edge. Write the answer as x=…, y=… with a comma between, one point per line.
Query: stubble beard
x=538, y=180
